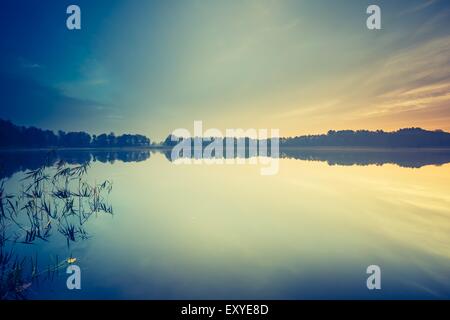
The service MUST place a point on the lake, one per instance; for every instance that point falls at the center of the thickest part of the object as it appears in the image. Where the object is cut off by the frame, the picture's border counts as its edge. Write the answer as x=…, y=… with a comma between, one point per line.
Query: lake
x=227, y=232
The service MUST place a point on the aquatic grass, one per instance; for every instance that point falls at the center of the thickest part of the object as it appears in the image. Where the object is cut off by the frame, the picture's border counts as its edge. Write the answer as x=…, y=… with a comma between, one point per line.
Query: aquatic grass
x=51, y=199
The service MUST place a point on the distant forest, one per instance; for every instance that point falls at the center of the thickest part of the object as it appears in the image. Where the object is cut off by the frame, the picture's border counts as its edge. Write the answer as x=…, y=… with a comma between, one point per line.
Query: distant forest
x=12, y=136
x=403, y=138
x=31, y=137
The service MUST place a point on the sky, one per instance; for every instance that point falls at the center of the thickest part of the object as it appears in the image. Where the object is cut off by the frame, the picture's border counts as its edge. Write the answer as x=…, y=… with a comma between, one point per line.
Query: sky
x=150, y=67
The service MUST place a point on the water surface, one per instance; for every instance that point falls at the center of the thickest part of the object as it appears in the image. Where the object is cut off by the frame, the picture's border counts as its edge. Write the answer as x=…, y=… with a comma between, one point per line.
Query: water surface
x=226, y=232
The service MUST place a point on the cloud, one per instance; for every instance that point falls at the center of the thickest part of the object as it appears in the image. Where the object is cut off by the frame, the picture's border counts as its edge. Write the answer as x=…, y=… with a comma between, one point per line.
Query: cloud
x=26, y=101
x=25, y=64
x=310, y=110
x=418, y=76
x=421, y=6
x=32, y=66
x=434, y=24
x=411, y=87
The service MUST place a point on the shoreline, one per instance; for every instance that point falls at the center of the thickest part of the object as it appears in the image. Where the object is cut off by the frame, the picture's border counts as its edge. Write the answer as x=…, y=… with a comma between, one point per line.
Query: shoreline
x=157, y=148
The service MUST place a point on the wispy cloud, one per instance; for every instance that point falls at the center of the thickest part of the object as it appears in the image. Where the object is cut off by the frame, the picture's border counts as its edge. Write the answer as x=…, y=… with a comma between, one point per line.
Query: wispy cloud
x=25, y=64
x=421, y=6
x=411, y=87
x=309, y=110
x=45, y=105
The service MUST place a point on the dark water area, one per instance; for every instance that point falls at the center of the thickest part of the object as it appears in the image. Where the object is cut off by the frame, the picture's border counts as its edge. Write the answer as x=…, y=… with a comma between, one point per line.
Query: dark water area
x=142, y=227
x=12, y=161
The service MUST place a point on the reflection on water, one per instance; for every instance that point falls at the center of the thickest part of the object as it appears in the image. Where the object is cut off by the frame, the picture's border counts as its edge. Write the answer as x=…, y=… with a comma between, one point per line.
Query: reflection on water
x=409, y=158
x=15, y=161
x=211, y=231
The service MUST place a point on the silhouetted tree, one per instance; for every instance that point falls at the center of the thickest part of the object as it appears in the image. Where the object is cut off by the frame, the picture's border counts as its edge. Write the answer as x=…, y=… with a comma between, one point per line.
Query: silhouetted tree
x=403, y=138
x=31, y=137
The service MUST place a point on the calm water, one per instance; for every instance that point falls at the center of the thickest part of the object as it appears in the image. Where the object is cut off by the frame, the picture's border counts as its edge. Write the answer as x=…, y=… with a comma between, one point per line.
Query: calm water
x=221, y=231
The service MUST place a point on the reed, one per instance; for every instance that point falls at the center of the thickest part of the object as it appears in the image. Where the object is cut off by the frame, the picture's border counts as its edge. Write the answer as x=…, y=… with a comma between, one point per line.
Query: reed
x=51, y=199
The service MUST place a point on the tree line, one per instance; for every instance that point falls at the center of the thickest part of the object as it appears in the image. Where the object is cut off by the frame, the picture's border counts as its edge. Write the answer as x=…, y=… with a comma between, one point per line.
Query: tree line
x=12, y=135
x=403, y=138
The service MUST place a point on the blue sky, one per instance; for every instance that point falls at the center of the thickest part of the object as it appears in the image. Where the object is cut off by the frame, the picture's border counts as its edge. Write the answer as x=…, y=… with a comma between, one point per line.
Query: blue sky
x=152, y=66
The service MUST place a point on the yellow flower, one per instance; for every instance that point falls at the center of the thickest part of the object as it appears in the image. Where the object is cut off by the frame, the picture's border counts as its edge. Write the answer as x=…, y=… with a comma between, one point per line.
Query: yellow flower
x=71, y=260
